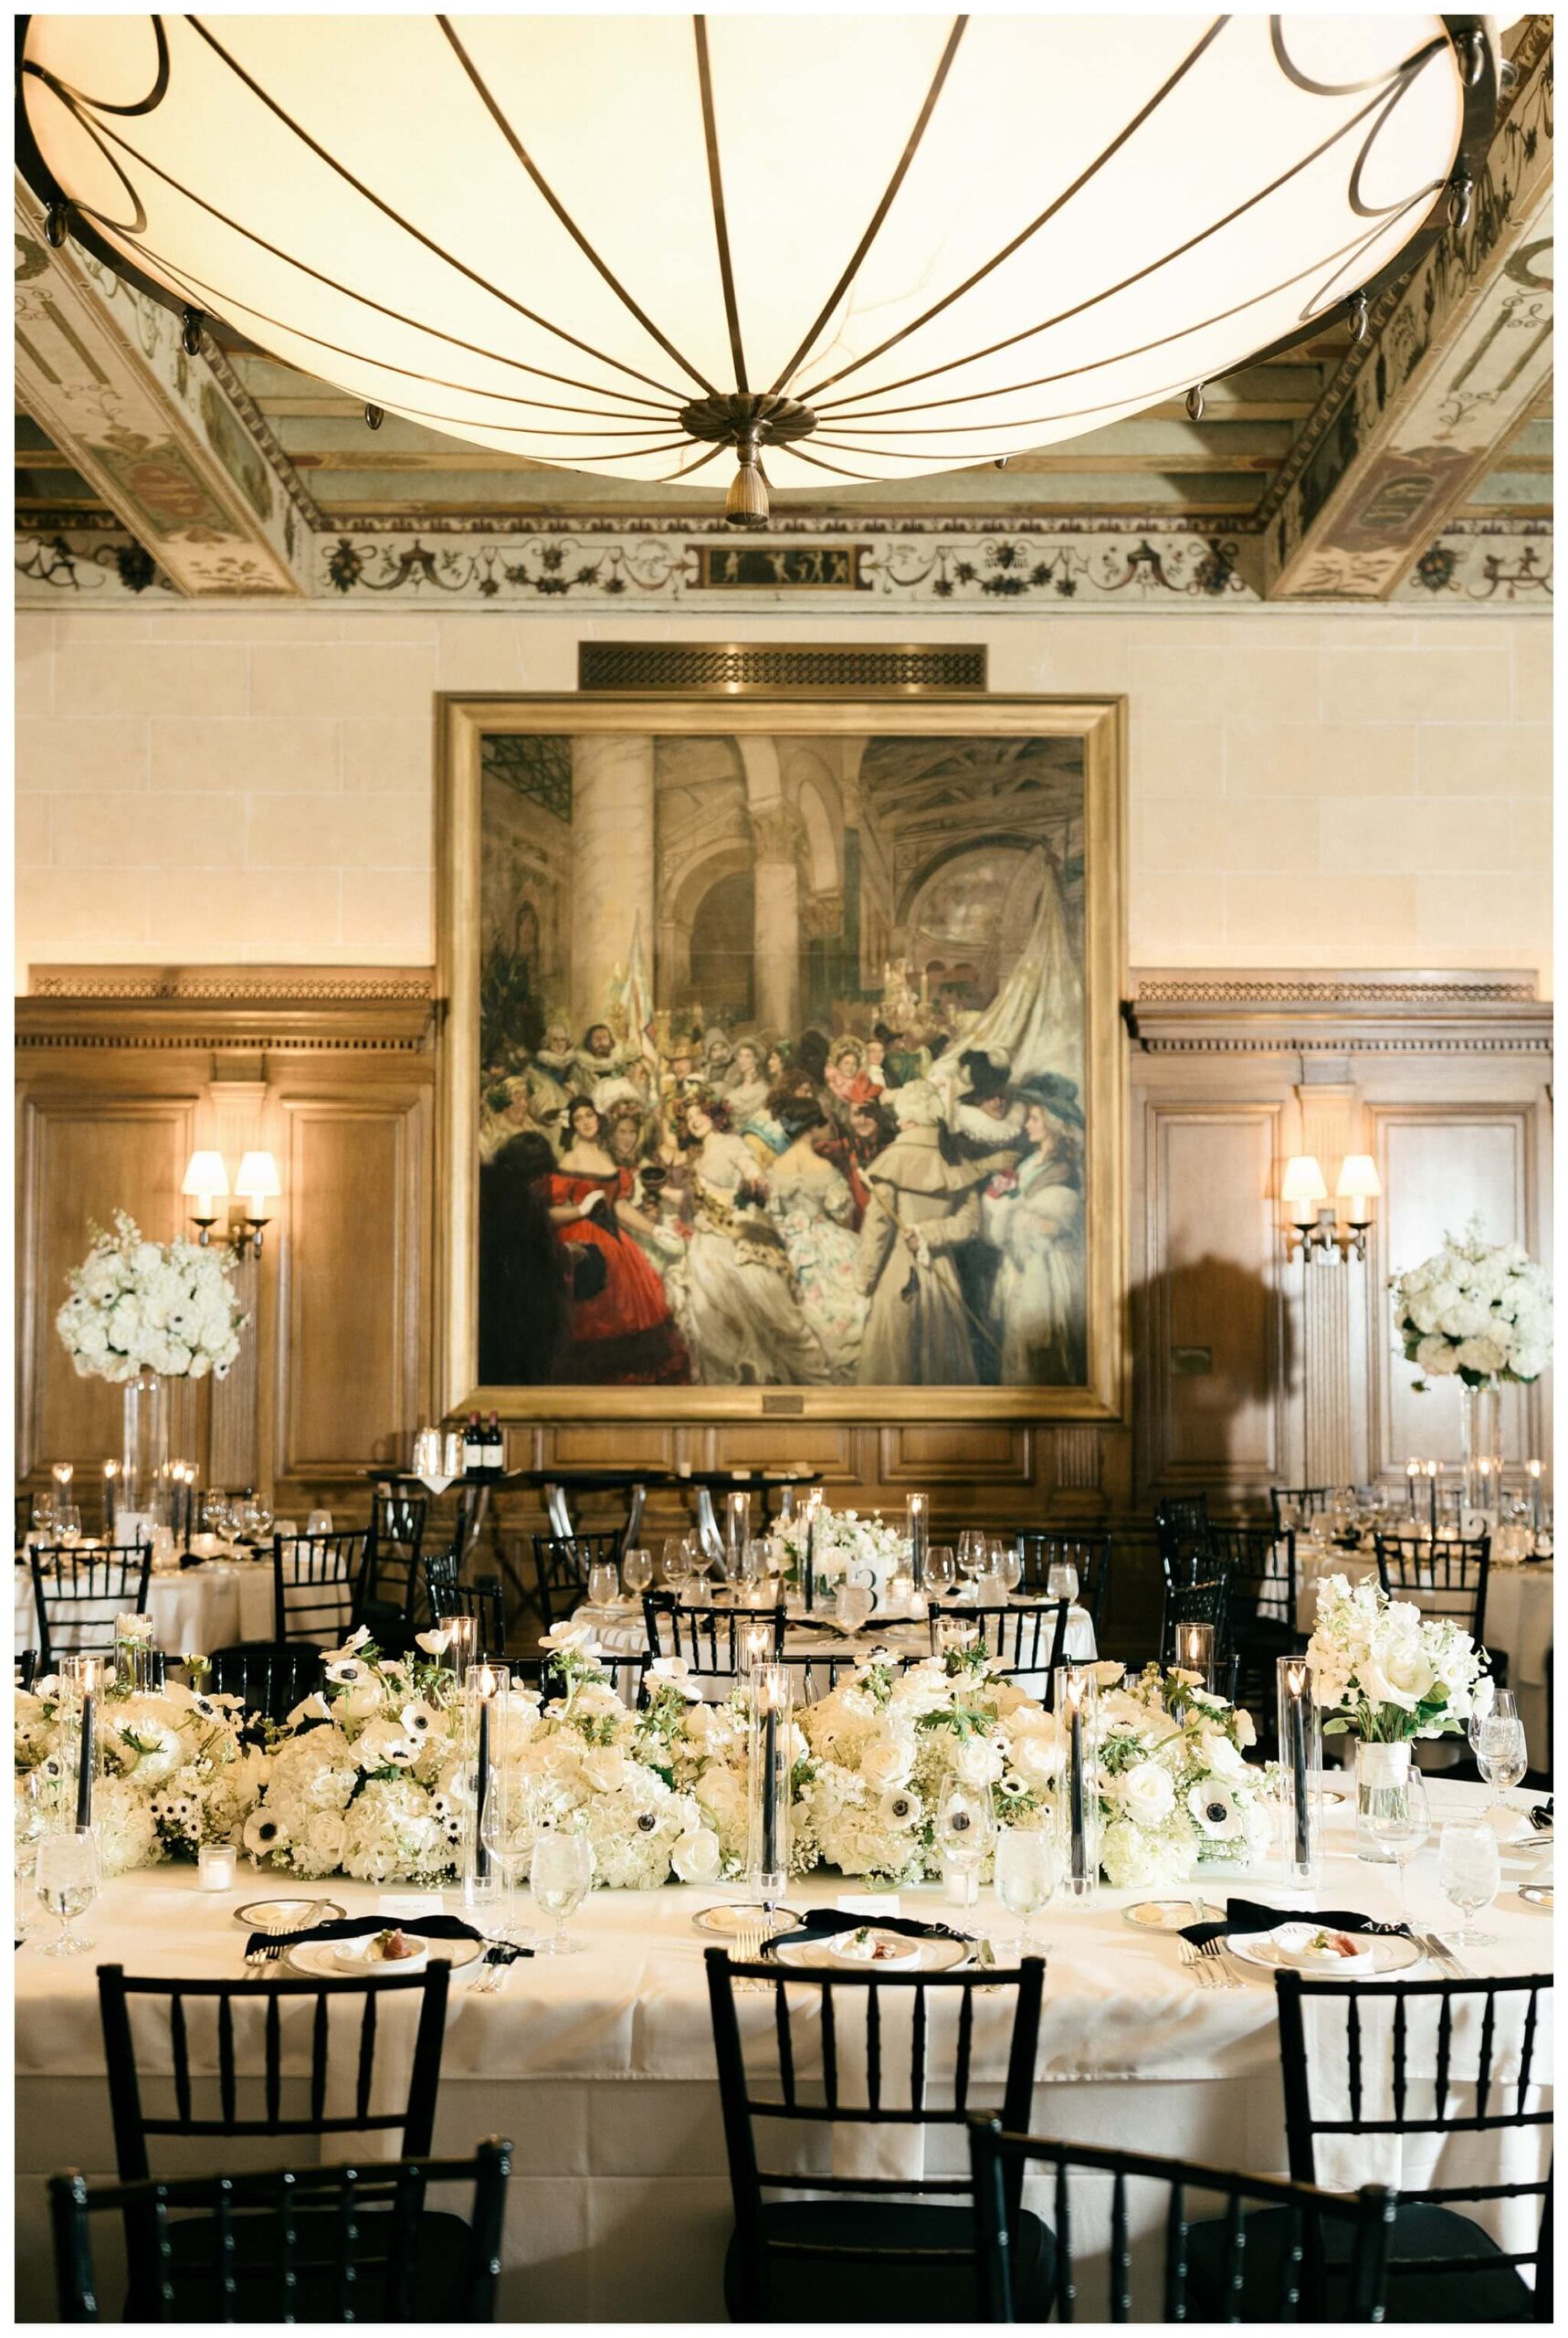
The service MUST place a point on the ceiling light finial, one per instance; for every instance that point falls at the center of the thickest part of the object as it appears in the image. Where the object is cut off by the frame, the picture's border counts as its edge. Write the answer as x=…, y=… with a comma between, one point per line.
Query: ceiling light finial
x=746, y=505
x=374, y=415
x=55, y=225
x=1195, y=403
x=190, y=324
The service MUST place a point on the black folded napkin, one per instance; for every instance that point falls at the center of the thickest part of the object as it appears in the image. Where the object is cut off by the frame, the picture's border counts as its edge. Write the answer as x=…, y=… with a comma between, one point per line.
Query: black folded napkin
x=431, y=1928
x=823, y=1923
x=1253, y=1916
x=1541, y=1816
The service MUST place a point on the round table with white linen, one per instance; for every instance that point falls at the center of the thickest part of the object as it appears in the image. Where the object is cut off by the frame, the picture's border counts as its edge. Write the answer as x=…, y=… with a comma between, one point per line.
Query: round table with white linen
x=194, y=1609
x=600, y=2066
x=620, y=1630
x=1519, y=1621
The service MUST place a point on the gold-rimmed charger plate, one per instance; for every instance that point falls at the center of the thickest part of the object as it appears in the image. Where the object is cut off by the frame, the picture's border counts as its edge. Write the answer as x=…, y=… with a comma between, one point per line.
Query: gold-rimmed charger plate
x=817, y=1955
x=287, y=1915
x=317, y=1959
x=728, y=1917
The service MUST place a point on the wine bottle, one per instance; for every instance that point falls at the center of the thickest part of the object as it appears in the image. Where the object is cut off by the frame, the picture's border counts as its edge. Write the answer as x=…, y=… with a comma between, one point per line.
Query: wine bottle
x=473, y=1447
x=495, y=1445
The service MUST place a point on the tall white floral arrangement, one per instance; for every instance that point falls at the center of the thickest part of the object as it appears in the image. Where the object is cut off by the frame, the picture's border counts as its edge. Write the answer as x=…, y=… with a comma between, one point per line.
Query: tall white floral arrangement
x=164, y=1306
x=1384, y=1669
x=1482, y=1310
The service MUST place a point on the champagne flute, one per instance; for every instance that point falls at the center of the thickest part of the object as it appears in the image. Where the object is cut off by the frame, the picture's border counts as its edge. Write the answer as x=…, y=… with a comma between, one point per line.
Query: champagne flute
x=1398, y=1818
x=636, y=1571
x=1469, y=1870
x=559, y=1872
x=1025, y=1876
x=66, y=1879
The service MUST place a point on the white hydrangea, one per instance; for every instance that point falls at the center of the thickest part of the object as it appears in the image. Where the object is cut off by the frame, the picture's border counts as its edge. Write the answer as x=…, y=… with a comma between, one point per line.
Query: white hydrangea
x=1481, y=1309
x=1384, y=1668
x=135, y=1306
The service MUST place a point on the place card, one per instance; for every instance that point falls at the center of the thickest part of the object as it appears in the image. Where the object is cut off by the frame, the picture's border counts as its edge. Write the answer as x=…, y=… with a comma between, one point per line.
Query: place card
x=407, y=1905
x=867, y=1903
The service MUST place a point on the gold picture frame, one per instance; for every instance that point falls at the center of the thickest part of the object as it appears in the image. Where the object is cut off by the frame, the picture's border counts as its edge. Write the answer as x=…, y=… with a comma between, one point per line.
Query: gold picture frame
x=1100, y=724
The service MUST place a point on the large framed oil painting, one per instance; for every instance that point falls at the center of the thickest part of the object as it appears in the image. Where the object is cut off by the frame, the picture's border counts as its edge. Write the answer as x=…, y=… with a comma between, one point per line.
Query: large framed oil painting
x=781, y=1058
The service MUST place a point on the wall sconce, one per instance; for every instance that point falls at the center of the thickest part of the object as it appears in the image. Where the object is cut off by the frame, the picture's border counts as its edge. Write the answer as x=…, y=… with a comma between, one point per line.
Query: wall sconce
x=1314, y=1225
x=206, y=1184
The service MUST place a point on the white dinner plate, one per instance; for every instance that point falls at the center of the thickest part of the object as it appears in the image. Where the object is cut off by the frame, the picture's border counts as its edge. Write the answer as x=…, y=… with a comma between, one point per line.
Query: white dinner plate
x=1390, y=1952
x=317, y=1959
x=819, y=1957
x=353, y=1957
x=1538, y=1894
x=286, y=1915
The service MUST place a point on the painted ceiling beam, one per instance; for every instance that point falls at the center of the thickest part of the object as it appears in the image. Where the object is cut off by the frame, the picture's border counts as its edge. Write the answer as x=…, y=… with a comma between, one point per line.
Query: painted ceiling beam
x=1457, y=357
x=157, y=435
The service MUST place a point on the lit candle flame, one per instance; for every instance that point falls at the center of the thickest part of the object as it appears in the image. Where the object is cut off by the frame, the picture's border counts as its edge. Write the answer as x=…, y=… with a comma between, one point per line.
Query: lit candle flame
x=1296, y=1678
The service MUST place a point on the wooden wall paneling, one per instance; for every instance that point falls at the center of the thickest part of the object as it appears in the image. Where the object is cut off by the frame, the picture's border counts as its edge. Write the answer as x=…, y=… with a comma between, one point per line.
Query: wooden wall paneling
x=1212, y=1345
x=352, y=1279
x=936, y=1454
x=579, y=1446
x=1441, y=1164
x=87, y=1147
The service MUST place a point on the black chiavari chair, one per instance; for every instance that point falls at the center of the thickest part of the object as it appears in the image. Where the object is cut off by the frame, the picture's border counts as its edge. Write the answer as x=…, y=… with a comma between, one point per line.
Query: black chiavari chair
x=390, y=1578
x=1022, y=1641
x=213, y=2095
x=1261, y=1617
x=628, y=1676
x=77, y=1594
x=1079, y=2221
x=24, y=1505
x=271, y=1681
x=860, y=2255
x=1089, y=1553
x=315, y=1584
x=562, y=1562
x=816, y=1672
x=1448, y=1577
x=1181, y=1535
x=25, y=1669
x=1205, y=1601
x=484, y=1600
x=710, y=1639
x=295, y=2245
x=1307, y=1502
x=1404, y=2059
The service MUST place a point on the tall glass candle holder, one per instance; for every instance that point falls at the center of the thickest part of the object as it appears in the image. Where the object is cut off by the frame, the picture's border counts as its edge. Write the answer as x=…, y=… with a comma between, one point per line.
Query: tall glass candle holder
x=81, y=1679
x=768, y=1778
x=1301, y=1773
x=808, y=1581
x=916, y=1527
x=460, y=1643
x=485, y=1713
x=133, y=1652
x=1195, y=1650
x=737, y=1532
x=1077, y=1703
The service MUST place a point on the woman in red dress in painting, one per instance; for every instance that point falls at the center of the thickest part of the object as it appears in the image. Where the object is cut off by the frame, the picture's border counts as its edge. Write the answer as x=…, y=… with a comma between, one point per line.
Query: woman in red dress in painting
x=622, y=1328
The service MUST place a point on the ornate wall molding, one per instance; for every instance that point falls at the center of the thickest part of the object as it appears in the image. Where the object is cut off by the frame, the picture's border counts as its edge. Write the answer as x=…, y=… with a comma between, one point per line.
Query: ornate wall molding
x=1399, y=1012
x=256, y=1010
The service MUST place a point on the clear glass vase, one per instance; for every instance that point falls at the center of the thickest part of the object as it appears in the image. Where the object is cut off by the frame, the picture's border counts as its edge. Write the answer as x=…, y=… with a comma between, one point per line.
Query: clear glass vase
x=144, y=1457
x=1377, y=1765
x=1480, y=1445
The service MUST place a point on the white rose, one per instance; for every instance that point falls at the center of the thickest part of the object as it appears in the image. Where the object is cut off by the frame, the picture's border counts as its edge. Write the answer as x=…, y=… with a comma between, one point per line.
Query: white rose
x=604, y=1768
x=695, y=1858
x=978, y=1761
x=887, y=1761
x=1483, y=1356
x=1038, y=1759
x=1147, y=1792
x=1435, y=1354
x=721, y=1792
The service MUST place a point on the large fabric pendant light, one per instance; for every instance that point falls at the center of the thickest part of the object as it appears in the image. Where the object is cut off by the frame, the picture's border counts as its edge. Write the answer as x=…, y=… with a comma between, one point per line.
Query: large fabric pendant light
x=845, y=248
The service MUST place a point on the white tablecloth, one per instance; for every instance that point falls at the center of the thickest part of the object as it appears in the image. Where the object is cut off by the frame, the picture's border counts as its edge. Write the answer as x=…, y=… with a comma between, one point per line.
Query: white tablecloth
x=192, y=1609
x=1518, y=1622
x=600, y=2066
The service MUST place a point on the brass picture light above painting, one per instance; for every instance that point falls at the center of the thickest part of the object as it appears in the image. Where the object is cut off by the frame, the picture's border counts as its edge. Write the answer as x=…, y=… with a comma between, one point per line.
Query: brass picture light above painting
x=783, y=1053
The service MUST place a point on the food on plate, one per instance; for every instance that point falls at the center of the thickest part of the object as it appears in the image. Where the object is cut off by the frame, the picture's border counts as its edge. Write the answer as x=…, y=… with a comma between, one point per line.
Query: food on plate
x=870, y=1945
x=394, y=1947
x=1334, y=1946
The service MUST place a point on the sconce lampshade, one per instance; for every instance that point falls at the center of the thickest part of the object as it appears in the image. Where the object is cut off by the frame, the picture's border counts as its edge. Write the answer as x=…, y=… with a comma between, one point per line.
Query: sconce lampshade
x=206, y=1179
x=1359, y=1179
x=876, y=246
x=1303, y=1186
x=257, y=1180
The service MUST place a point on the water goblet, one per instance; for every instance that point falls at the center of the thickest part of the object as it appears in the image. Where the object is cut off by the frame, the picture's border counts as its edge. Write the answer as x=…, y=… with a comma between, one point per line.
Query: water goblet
x=699, y=1559
x=941, y=1570
x=854, y=1604
x=1007, y=1565
x=320, y=1522
x=965, y=1828
x=972, y=1553
x=44, y=1515
x=1025, y=1876
x=559, y=1872
x=604, y=1583
x=1469, y=1870
x=674, y=1563
x=66, y=1879
x=636, y=1571
x=1501, y=1756
x=1398, y=1818
x=1061, y=1580
x=507, y=1831
x=68, y=1524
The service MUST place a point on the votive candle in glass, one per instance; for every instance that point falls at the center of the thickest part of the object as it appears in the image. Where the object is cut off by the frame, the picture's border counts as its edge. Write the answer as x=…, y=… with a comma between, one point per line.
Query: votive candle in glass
x=216, y=1865
x=1195, y=1650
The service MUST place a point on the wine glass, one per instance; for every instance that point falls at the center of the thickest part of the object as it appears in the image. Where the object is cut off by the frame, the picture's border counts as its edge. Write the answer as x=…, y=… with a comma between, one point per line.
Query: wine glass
x=604, y=1583
x=1398, y=1818
x=506, y=1830
x=674, y=1560
x=853, y=1604
x=965, y=1825
x=699, y=1559
x=1005, y=1564
x=66, y=1879
x=941, y=1570
x=320, y=1522
x=636, y=1571
x=972, y=1553
x=1025, y=1876
x=559, y=1875
x=1061, y=1580
x=1500, y=1755
x=44, y=1515
x=28, y=1827
x=1469, y=1870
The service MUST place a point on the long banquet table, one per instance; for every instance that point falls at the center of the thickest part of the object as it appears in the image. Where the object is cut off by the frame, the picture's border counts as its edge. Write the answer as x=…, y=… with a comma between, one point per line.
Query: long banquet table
x=600, y=2066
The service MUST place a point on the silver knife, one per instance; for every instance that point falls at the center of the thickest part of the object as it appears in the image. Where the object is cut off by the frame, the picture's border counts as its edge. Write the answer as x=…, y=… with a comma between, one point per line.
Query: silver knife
x=1444, y=1958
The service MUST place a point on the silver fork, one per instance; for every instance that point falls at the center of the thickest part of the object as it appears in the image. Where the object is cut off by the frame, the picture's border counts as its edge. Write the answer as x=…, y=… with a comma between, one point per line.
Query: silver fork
x=270, y=1951
x=1195, y=1962
x=1214, y=1952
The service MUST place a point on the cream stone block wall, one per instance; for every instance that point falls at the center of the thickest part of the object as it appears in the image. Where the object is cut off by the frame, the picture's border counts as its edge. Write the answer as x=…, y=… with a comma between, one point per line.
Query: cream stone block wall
x=1307, y=788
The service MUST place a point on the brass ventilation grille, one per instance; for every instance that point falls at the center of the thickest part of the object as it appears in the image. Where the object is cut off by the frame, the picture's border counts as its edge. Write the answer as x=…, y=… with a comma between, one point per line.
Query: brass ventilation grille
x=737, y=669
